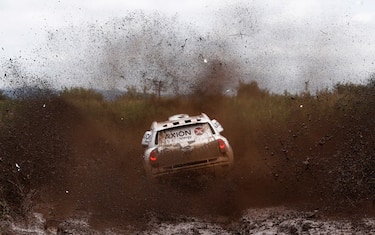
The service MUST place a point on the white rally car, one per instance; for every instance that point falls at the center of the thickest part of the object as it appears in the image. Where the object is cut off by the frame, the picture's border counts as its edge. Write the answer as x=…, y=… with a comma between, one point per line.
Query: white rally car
x=186, y=143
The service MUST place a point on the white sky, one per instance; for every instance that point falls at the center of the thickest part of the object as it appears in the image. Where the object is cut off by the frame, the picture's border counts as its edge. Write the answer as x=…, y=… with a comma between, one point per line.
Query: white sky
x=340, y=33
x=24, y=22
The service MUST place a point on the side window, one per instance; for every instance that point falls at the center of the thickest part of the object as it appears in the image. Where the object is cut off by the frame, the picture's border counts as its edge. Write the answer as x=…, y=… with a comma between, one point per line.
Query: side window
x=217, y=125
x=146, y=138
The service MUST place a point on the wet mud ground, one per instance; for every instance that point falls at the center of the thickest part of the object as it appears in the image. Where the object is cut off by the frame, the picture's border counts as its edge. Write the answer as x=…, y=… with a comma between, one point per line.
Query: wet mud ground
x=63, y=165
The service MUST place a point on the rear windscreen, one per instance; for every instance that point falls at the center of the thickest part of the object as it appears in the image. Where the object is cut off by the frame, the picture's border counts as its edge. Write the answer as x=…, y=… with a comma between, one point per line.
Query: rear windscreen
x=197, y=132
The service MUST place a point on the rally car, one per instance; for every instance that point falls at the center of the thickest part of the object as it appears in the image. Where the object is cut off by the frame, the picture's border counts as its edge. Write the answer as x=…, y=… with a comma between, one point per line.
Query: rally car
x=186, y=143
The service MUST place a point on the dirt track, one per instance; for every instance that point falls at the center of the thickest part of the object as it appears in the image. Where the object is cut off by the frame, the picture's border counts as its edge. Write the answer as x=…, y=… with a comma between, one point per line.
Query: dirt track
x=74, y=165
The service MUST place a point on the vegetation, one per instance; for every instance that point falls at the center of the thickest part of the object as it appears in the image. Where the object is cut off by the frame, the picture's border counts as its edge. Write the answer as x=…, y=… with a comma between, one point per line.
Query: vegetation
x=2, y=95
x=323, y=144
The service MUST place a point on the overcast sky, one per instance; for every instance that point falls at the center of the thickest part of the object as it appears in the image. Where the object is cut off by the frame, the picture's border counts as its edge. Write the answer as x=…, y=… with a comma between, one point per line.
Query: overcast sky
x=280, y=44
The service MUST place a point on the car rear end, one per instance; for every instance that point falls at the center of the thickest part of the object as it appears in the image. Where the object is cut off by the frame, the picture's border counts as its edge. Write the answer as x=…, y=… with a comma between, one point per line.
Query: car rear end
x=195, y=146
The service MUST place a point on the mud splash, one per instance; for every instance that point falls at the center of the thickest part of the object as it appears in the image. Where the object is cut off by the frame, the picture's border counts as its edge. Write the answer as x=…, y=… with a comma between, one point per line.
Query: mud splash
x=272, y=220
x=62, y=163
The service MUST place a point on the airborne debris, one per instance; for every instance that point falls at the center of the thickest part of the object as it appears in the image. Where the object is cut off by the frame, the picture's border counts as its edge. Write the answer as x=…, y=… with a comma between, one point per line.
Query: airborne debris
x=18, y=167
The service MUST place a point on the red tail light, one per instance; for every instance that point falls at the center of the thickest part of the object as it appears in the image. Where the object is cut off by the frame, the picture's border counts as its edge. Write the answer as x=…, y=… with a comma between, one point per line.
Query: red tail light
x=222, y=145
x=154, y=158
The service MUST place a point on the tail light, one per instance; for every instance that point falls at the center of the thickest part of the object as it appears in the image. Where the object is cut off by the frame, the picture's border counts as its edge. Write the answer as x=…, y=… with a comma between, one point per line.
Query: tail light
x=153, y=157
x=222, y=146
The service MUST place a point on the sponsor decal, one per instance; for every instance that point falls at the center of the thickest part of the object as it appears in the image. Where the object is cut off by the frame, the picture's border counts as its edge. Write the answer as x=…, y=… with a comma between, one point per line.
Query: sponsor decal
x=188, y=133
x=199, y=131
x=178, y=134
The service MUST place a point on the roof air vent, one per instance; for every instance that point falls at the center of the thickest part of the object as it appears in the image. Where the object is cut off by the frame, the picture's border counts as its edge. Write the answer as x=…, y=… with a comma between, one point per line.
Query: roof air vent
x=177, y=116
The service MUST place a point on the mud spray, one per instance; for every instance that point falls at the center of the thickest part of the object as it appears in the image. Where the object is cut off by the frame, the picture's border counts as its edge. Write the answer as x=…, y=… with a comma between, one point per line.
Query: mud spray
x=67, y=163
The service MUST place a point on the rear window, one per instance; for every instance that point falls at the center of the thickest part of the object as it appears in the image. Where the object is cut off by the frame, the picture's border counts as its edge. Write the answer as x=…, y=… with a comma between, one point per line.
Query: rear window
x=182, y=134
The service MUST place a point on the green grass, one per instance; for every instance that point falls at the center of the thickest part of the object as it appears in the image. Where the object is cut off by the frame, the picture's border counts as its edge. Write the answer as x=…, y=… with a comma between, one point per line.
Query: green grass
x=252, y=107
x=7, y=110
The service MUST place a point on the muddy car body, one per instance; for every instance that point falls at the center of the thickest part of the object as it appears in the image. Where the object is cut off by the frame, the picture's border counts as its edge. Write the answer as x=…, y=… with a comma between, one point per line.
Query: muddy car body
x=186, y=144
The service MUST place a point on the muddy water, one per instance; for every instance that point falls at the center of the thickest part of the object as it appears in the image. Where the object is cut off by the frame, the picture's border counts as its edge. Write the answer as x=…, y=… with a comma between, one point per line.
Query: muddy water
x=273, y=220
x=89, y=176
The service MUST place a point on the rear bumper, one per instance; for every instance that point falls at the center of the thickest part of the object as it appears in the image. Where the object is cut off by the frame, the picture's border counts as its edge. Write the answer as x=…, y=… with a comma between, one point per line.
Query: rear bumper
x=214, y=165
